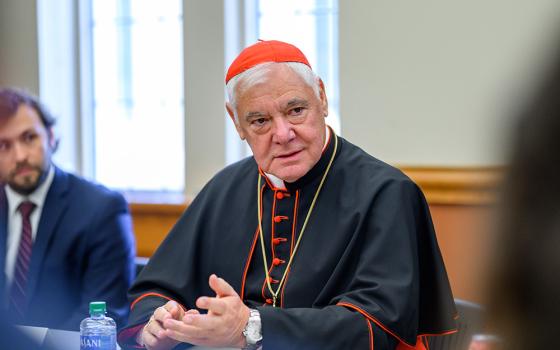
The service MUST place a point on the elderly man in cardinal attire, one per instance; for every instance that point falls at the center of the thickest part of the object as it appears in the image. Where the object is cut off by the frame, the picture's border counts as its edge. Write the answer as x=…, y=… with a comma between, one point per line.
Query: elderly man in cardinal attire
x=310, y=243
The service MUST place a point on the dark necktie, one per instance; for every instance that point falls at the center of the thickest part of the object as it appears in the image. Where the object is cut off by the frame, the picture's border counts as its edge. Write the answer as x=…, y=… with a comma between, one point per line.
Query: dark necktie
x=19, y=282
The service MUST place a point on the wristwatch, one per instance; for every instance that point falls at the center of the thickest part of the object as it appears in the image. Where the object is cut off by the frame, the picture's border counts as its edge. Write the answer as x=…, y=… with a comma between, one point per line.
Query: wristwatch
x=252, y=331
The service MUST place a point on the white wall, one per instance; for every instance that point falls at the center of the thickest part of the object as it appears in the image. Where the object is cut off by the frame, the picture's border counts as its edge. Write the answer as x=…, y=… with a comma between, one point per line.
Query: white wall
x=427, y=82
x=204, y=91
x=18, y=44
x=432, y=82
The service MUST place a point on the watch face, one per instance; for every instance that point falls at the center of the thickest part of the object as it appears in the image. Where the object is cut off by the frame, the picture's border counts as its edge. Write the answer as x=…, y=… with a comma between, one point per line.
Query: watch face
x=253, y=330
x=254, y=336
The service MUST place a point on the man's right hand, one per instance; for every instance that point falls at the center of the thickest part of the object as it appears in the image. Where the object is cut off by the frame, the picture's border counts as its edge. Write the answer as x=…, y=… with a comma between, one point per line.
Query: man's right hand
x=152, y=335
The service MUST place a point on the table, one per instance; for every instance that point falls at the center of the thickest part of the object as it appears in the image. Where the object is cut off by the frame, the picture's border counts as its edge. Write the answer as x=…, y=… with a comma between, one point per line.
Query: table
x=67, y=340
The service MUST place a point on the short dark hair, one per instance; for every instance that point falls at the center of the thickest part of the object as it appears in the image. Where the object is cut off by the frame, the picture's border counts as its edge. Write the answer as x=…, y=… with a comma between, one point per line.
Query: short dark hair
x=12, y=98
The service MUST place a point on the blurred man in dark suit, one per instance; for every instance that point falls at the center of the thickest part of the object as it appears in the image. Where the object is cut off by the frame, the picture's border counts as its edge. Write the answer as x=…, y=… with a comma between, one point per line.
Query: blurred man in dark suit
x=63, y=240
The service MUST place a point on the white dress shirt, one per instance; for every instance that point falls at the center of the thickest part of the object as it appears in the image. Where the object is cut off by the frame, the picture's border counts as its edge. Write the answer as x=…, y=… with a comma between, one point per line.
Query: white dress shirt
x=14, y=220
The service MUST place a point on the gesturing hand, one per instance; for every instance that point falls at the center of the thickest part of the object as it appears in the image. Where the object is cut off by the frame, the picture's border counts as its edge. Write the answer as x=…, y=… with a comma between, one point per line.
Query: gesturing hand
x=153, y=336
x=222, y=326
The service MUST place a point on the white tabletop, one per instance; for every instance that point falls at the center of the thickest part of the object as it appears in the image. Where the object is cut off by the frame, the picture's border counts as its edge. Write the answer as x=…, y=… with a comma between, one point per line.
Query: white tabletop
x=63, y=340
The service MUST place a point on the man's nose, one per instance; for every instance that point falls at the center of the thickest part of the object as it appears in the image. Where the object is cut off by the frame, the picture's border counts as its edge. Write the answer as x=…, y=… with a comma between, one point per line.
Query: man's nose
x=283, y=131
x=20, y=152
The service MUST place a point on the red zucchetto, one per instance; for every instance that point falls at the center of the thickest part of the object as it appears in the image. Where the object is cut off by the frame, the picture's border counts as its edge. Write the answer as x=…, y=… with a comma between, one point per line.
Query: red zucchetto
x=265, y=51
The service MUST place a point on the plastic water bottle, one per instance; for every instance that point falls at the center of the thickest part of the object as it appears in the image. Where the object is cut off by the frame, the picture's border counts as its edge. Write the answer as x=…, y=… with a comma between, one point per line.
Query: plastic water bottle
x=98, y=332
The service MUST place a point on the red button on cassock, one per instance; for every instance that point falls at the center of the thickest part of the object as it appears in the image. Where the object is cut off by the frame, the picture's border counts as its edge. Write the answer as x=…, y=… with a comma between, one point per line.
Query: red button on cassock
x=279, y=195
x=277, y=261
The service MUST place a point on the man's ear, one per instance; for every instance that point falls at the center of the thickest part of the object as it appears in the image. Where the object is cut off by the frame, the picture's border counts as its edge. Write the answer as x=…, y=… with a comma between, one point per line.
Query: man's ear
x=229, y=109
x=231, y=113
x=53, y=142
x=323, y=98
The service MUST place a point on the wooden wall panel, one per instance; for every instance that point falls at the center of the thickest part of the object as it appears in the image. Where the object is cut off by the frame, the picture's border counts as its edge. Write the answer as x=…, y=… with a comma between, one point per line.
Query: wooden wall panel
x=151, y=223
x=463, y=234
x=462, y=203
x=456, y=186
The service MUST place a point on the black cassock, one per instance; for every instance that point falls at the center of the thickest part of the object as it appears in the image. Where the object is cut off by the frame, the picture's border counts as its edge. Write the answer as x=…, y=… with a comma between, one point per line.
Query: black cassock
x=368, y=271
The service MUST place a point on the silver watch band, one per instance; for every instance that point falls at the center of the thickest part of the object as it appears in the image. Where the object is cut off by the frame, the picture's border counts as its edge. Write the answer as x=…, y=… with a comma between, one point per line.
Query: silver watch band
x=253, y=331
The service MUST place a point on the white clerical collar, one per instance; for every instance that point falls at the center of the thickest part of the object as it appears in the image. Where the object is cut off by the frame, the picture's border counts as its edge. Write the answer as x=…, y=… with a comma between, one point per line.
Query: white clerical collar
x=278, y=182
x=37, y=197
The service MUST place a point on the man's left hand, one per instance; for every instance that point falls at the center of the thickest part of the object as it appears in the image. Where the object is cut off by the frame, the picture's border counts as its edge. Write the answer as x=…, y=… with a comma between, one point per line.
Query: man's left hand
x=222, y=326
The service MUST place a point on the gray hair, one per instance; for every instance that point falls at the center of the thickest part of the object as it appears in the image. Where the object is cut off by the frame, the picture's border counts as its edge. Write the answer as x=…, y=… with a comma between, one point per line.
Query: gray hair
x=256, y=75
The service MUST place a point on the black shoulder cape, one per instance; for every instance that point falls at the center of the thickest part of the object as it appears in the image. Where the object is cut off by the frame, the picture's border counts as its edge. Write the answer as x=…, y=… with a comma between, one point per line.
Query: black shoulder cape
x=368, y=270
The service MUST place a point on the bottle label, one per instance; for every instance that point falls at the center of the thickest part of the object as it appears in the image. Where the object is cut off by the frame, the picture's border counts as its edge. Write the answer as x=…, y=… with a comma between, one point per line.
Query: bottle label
x=98, y=342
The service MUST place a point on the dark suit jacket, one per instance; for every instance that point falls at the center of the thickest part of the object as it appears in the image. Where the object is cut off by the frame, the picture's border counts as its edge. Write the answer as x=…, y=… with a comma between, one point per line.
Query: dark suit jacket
x=83, y=251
